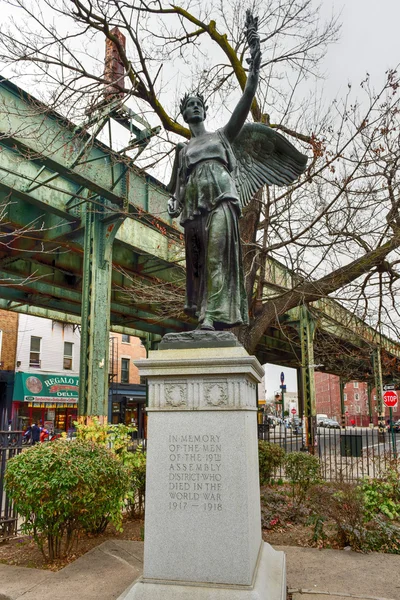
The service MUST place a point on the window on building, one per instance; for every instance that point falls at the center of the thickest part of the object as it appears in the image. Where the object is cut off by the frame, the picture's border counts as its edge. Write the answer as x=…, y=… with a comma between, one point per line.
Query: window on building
x=355, y=384
x=68, y=347
x=126, y=338
x=358, y=409
x=124, y=370
x=345, y=397
x=34, y=356
x=356, y=396
x=374, y=396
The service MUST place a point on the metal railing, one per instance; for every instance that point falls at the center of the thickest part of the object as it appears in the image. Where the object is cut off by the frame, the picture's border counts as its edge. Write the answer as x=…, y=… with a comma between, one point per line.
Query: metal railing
x=345, y=454
x=10, y=445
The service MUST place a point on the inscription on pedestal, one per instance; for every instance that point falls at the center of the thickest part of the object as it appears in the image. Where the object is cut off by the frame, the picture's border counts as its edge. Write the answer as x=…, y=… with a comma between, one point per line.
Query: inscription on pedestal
x=195, y=480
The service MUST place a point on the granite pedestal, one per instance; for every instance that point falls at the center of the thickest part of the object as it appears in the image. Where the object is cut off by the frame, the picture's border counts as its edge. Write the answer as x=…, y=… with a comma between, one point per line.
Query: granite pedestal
x=203, y=524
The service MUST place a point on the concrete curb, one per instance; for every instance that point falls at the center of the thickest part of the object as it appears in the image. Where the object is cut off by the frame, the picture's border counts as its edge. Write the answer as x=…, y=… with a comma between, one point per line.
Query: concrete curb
x=336, y=594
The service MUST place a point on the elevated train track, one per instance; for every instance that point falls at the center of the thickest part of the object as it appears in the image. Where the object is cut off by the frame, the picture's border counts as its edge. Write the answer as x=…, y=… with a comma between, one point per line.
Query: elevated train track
x=74, y=210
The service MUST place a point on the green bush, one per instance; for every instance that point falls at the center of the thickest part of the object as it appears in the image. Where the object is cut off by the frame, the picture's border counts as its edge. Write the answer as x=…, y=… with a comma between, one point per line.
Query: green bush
x=270, y=458
x=342, y=503
x=64, y=487
x=302, y=471
x=137, y=476
x=382, y=495
x=118, y=439
x=356, y=526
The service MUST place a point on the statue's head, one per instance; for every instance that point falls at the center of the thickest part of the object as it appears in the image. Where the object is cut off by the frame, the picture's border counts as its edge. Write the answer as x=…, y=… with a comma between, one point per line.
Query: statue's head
x=193, y=108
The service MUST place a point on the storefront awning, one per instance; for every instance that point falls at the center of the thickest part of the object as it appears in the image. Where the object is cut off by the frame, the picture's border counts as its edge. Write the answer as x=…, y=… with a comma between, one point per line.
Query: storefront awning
x=40, y=387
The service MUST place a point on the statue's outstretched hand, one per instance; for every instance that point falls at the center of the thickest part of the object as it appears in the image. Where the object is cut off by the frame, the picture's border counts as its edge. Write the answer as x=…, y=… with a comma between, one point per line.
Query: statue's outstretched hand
x=253, y=41
x=174, y=210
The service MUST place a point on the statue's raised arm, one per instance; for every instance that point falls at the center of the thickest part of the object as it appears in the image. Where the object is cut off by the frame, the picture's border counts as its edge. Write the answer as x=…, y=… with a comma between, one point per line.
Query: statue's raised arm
x=240, y=113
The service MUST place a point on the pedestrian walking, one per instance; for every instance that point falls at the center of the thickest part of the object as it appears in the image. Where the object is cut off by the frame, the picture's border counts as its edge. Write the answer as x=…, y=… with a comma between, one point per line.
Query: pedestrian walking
x=35, y=434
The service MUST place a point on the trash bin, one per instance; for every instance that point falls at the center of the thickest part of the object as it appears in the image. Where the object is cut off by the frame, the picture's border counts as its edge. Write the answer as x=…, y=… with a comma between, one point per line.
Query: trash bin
x=351, y=445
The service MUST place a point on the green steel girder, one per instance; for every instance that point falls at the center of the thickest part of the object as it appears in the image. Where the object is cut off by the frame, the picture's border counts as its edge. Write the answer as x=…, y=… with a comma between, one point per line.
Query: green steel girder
x=17, y=172
x=68, y=318
x=354, y=326
x=377, y=366
x=306, y=331
x=40, y=288
x=135, y=232
x=369, y=392
x=54, y=142
x=95, y=314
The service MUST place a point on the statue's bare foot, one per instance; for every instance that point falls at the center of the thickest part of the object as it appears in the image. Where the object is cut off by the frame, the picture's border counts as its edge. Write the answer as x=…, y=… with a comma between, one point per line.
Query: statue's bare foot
x=207, y=325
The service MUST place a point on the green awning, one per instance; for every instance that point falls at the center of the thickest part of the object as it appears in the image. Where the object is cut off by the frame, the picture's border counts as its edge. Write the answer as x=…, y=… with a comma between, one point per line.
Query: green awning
x=40, y=387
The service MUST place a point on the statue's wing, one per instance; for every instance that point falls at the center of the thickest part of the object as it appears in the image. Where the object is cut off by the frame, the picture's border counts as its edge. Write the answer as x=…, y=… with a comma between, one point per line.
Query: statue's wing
x=264, y=157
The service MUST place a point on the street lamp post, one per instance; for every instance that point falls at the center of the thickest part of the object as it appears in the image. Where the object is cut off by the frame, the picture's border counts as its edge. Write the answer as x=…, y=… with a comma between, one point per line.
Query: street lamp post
x=283, y=394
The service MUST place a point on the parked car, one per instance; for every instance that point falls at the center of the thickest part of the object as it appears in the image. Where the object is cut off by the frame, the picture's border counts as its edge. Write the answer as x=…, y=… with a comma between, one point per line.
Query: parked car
x=396, y=426
x=322, y=422
x=297, y=426
x=332, y=424
x=270, y=421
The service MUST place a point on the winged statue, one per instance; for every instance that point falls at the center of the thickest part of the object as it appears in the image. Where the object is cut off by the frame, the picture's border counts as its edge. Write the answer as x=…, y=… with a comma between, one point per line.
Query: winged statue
x=216, y=174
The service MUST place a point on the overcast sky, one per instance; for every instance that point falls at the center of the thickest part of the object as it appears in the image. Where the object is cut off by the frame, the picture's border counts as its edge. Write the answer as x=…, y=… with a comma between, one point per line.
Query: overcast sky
x=369, y=42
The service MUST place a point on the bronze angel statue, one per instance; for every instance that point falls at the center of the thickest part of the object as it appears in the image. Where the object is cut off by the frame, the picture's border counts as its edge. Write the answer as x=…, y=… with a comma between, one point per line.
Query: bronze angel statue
x=214, y=175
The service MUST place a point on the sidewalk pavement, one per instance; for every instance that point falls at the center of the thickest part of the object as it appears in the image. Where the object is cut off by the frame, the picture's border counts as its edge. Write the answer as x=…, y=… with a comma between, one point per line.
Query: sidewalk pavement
x=106, y=571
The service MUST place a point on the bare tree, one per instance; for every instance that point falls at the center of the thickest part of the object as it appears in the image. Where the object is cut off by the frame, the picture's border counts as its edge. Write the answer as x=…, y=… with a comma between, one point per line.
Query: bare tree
x=337, y=229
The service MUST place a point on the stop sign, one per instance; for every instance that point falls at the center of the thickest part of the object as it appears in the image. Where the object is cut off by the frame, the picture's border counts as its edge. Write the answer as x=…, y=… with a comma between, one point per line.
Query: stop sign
x=293, y=411
x=390, y=398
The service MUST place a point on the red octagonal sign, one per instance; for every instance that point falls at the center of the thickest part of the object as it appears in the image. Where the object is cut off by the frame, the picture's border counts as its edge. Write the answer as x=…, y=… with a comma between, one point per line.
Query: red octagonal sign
x=390, y=398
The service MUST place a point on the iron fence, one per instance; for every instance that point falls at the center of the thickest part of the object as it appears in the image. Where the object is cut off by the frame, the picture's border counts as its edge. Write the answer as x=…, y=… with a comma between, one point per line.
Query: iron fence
x=348, y=454
x=10, y=445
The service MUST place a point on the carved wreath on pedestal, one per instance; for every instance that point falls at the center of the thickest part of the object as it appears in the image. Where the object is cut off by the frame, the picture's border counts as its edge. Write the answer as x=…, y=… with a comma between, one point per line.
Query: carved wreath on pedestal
x=175, y=394
x=216, y=394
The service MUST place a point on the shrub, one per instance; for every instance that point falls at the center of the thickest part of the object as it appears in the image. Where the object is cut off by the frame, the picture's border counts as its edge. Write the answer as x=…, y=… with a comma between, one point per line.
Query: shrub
x=355, y=525
x=302, y=471
x=137, y=476
x=342, y=503
x=118, y=439
x=270, y=457
x=66, y=487
x=382, y=495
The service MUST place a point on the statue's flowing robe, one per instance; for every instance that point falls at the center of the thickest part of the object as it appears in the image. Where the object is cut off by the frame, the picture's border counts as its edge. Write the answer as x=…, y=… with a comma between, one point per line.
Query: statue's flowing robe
x=210, y=211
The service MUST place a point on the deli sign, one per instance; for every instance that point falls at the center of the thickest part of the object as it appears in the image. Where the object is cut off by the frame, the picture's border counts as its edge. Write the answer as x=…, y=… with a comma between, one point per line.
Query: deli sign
x=40, y=387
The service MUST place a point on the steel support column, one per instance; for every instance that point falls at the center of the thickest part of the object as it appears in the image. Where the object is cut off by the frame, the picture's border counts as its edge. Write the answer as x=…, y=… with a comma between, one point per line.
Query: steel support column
x=369, y=392
x=342, y=383
x=306, y=329
x=101, y=227
x=376, y=361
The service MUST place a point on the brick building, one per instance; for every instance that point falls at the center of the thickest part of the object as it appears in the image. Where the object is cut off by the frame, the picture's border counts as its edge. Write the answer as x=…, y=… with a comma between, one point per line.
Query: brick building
x=8, y=349
x=327, y=392
x=127, y=393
